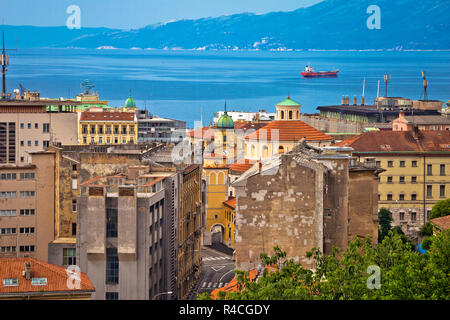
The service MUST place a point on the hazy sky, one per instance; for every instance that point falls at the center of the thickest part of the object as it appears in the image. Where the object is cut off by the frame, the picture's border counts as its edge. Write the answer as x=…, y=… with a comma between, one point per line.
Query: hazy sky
x=127, y=14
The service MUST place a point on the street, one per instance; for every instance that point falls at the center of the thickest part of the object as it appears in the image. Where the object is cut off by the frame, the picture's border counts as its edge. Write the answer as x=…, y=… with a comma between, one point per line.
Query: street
x=217, y=270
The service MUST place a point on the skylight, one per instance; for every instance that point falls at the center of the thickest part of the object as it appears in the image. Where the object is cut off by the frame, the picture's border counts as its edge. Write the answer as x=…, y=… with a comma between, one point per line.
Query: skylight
x=39, y=281
x=10, y=282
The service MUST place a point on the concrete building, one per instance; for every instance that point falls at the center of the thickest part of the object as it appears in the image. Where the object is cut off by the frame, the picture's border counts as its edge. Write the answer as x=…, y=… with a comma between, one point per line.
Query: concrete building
x=438, y=122
x=32, y=125
x=246, y=116
x=308, y=197
x=152, y=128
x=31, y=279
x=27, y=207
x=417, y=172
x=126, y=241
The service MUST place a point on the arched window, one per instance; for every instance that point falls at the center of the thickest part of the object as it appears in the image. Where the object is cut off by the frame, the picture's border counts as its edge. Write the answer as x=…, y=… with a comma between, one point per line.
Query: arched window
x=253, y=151
x=265, y=152
x=212, y=178
x=280, y=149
x=290, y=115
x=220, y=178
x=282, y=115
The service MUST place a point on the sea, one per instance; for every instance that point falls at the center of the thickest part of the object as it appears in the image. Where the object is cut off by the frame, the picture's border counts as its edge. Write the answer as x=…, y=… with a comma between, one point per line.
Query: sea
x=191, y=85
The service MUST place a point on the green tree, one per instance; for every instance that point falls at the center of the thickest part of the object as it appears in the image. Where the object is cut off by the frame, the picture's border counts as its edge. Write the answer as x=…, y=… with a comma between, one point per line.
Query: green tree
x=440, y=209
x=384, y=223
x=426, y=230
x=405, y=274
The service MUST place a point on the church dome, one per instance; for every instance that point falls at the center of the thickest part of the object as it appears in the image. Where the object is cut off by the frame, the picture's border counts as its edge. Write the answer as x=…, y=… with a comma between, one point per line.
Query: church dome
x=129, y=103
x=225, y=122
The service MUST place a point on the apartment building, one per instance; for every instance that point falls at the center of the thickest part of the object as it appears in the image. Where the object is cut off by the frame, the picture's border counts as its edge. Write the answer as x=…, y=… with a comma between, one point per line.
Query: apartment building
x=417, y=175
x=107, y=127
x=27, y=206
x=126, y=241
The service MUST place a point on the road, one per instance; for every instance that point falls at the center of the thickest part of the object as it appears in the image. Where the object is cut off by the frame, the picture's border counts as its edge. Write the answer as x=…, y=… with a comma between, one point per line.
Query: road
x=217, y=271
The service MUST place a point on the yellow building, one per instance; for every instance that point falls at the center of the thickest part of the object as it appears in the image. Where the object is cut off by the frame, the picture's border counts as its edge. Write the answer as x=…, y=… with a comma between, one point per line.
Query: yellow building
x=109, y=128
x=230, y=216
x=417, y=175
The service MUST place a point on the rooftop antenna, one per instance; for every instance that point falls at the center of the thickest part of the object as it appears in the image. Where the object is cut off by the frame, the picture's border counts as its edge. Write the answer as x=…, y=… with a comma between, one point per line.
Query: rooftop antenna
x=364, y=88
x=387, y=79
x=4, y=60
x=425, y=86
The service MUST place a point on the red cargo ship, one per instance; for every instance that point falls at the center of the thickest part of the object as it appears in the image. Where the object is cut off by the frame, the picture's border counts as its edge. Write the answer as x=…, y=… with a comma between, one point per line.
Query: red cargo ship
x=310, y=73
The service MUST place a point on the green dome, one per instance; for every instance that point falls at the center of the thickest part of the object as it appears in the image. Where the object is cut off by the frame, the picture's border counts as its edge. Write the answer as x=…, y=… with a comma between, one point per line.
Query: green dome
x=288, y=103
x=129, y=103
x=225, y=122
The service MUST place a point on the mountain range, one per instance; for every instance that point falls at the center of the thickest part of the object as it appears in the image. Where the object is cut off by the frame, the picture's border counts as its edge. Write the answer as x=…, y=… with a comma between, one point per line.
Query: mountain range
x=328, y=25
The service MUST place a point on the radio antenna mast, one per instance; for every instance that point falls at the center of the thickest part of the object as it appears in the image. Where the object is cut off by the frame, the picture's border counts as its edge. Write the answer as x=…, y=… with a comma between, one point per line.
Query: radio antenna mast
x=4, y=60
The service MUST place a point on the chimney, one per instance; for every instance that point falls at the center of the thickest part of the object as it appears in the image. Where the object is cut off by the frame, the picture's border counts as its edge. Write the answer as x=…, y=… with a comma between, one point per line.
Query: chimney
x=27, y=272
x=362, y=101
x=260, y=166
x=343, y=101
x=347, y=100
x=355, y=101
x=416, y=132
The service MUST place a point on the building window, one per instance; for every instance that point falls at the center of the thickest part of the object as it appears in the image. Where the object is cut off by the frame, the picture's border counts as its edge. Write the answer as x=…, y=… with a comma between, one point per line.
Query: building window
x=29, y=143
x=442, y=169
x=7, y=231
x=8, y=213
x=92, y=129
x=413, y=216
x=402, y=163
x=390, y=163
x=84, y=140
x=27, y=194
x=124, y=130
x=389, y=197
x=116, y=129
x=74, y=229
x=46, y=127
x=100, y=129
x=36, y=143
x=85, y=129
x=413, y=179
x=36, y=126
x=112, y=296
x=21, y=126
x=74, y=167
x=8, y=176
x=7, y=249
x=401, y=197
x=378, y=163
x=389, y=179
x=108, y=129
x=100, y=139
x=402, y=216
x=26, y=249
x=45, y=143
x=74, y=205
x=402, y=179
x=27, y=176
x=69, y=256
x=414, y=197
x=26, y=230
x=27, y=212
x=10, y=282
x=111, y=223
x=21, y=143
x=429, y=169
x=429, y=191
x=7, y=194
x=442, y=191
x=29, y=125
x=414, y=163
x=112, y=266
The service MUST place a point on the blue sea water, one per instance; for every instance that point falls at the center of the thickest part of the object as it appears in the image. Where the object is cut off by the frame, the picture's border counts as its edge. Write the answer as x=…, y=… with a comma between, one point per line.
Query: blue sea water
x=184, y=84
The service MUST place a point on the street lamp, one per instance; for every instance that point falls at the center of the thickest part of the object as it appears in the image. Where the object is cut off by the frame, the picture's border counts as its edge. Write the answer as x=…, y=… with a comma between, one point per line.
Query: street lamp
x=161, y=293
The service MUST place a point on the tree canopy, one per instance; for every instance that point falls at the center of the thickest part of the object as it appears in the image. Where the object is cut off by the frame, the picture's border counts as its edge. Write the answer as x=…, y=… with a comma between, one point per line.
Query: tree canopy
x=440, y=209
x=404, y=273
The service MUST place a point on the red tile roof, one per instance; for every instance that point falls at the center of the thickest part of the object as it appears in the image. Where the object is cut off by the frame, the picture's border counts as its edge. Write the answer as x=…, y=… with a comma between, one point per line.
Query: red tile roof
x=107, y=116
x=242, y=165
x=399, y=141
x=231, y=203
x=288, y=131
x=206, y=133
x=56, y=277
x=442, y=223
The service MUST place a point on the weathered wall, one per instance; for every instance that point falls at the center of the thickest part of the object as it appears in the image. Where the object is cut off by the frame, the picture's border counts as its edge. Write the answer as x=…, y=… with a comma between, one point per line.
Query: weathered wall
x=282, y=210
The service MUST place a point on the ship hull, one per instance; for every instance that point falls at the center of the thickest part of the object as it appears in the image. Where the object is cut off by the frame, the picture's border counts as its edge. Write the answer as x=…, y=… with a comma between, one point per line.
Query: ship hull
x=320, y=74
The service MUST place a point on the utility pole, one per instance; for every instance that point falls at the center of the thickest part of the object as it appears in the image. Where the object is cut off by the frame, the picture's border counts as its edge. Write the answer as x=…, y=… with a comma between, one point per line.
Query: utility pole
x=4, y=60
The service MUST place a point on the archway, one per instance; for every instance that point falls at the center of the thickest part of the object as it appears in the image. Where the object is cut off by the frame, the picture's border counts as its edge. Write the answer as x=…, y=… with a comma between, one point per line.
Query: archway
x=217, y=232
